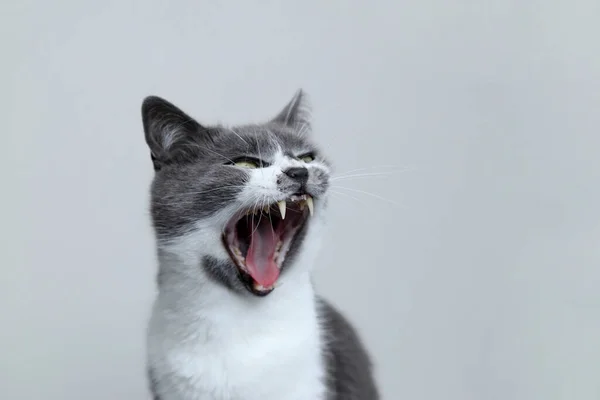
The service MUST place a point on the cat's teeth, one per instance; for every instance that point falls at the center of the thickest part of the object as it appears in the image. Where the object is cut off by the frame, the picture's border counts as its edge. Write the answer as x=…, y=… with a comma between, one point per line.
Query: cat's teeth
x=282, y=208
x=311, y=206
x=261, y=288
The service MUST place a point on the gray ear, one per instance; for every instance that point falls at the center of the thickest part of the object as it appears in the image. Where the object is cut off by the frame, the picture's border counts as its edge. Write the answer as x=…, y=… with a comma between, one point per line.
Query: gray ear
x=296, y=114
x=170, y=133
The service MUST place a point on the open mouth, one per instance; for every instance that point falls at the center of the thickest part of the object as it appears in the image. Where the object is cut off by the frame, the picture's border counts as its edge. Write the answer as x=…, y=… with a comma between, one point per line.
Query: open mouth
x=259, y=239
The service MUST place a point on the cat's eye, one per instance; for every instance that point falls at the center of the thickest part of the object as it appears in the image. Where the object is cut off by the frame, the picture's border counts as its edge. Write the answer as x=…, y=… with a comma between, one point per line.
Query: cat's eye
x=246, y=164
x=307, y=157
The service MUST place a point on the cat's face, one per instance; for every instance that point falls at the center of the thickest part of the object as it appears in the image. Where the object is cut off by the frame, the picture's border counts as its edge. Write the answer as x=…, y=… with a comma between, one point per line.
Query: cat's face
x=234, y=205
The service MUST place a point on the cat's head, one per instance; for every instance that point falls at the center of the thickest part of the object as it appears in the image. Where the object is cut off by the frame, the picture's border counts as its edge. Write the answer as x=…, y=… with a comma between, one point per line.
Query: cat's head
x=235, y=206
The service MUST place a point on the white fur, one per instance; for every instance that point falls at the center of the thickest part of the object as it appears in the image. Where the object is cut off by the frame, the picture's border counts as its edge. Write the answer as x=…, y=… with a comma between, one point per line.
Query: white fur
x=207, y=343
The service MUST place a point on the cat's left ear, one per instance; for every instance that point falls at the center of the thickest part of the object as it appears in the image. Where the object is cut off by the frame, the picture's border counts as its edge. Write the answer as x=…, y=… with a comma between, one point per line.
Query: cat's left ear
x=171, y=134
x=296, y=114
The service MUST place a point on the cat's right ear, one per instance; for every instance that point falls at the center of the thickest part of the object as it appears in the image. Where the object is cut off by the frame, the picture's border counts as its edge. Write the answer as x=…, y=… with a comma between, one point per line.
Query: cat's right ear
x=170, y=133
x=296, y=114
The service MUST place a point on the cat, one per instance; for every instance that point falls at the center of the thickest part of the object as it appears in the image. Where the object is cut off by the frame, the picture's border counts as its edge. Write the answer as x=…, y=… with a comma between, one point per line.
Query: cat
x=238, y=215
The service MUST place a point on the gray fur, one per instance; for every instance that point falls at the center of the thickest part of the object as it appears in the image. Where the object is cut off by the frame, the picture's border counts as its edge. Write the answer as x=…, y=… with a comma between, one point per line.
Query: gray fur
x=350, y=372
x=192, y=182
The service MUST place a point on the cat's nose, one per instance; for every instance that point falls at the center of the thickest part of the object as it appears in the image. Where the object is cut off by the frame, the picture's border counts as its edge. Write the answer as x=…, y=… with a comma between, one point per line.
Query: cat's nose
x=299, y=174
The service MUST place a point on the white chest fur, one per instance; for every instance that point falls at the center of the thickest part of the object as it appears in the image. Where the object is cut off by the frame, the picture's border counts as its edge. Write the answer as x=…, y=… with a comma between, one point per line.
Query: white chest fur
x=230, y=348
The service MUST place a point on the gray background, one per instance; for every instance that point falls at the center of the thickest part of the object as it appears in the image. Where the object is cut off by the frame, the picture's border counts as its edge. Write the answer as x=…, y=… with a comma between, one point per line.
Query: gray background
x=476, y=278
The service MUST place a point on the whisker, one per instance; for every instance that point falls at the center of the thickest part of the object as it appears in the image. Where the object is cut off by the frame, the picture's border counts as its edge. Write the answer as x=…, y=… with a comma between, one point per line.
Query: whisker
x=271, y=221
x=238, y=135
x=352, y=197
x=180, y=200
x=177, y=127
x=257, y=224
x=370, y=194
x=215, y=189
x=374, y=174
x=259, y=155
x=402, y=169
x=274, y=139
x=217, y=153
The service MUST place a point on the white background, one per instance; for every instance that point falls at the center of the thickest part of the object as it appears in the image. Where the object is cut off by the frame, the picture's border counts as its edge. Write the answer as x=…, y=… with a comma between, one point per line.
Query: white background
x=478, y=276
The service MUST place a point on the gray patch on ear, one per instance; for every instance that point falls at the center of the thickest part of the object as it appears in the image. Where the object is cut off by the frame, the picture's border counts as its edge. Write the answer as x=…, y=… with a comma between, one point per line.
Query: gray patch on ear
x=350, y=371
x=296, y=114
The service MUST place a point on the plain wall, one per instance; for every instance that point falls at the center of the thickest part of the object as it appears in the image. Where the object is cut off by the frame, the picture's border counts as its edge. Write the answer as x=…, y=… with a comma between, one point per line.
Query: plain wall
x=473, y=274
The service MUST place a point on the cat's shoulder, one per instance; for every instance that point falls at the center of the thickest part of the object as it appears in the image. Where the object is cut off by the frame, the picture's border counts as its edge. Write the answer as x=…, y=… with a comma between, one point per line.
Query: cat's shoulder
x=350, y=369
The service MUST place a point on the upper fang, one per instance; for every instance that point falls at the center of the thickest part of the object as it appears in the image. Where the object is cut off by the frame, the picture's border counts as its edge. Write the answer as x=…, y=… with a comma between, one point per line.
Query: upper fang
x=282, y=208
x=311, y=206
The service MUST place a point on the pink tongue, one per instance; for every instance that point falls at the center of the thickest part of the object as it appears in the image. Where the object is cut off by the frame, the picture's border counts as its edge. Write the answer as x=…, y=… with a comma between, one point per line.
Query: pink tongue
x=260, y=259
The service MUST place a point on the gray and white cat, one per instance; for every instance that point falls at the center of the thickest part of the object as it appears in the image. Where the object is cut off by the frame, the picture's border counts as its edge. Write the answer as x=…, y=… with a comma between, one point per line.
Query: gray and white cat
x=238, y=215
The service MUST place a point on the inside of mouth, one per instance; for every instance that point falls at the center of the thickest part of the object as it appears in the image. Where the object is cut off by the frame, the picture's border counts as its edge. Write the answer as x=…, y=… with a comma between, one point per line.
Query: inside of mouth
x=259, y=238
x=259, y=241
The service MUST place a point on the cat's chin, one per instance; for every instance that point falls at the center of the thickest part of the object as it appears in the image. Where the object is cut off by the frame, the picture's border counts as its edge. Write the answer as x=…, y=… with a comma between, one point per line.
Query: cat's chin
x=258, y=240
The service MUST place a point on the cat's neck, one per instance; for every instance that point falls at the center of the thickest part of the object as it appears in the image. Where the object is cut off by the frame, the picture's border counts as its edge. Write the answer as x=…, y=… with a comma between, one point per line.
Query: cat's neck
x=189, y=301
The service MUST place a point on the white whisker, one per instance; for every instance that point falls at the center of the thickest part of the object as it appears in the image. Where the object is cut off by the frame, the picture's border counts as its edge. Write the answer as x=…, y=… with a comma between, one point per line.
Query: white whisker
x=238, y=135
x=259, y=154
x=259, y=218
x=370, y=194
x=351, y=197
x=400, y=170
x=374, y=174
